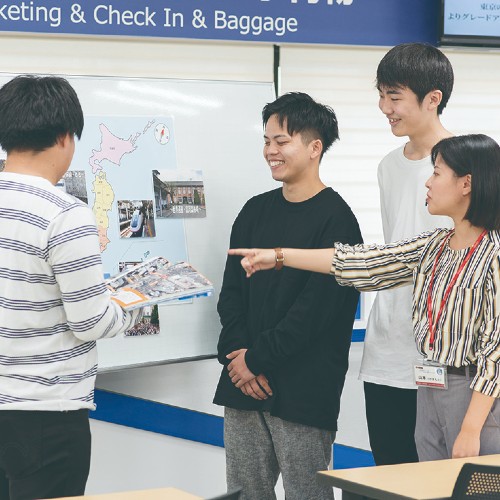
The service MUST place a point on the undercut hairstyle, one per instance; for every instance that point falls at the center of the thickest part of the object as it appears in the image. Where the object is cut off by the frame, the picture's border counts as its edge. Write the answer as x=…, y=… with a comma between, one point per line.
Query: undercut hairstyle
x=35, y=111
x=419, y=67
x=303, y=115
x=479, y=156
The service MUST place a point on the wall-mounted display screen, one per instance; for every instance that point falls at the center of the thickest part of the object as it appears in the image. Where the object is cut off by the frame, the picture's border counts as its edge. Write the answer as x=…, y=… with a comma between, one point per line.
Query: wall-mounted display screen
x=470, y=22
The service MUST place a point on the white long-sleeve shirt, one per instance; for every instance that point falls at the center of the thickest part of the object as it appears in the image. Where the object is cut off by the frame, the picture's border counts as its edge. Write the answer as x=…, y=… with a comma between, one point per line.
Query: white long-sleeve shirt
x=54, y=304
x=389, y=351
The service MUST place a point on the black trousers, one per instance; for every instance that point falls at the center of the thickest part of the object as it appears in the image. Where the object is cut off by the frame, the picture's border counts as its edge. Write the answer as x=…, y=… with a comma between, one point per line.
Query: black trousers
x=43, y=454
x=391, y=413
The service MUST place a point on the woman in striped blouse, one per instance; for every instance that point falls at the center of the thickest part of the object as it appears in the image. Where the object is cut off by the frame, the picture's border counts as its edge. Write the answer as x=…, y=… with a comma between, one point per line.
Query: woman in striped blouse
x=456, y=296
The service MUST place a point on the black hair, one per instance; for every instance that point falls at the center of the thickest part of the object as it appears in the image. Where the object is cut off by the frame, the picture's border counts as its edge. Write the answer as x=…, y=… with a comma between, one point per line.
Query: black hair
x=35, y=111
x=304, y=115
x=419, y=67
x=479, y=156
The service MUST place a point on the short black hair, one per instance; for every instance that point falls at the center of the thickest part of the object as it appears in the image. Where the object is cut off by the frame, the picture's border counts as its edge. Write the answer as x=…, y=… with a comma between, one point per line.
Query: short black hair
x=419, y=67
x=35, y=111
x=479, y=156
x=304, y=115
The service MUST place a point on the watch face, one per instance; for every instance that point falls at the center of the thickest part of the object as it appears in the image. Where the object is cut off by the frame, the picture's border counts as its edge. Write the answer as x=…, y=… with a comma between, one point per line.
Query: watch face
x=162, y=134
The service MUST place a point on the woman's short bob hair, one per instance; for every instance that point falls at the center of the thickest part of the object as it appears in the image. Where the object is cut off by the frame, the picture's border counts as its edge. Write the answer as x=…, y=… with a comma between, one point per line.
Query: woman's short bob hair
x=479, y=156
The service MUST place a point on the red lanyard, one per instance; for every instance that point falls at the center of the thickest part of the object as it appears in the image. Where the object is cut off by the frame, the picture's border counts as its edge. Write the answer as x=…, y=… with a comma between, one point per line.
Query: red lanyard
x=432, y=326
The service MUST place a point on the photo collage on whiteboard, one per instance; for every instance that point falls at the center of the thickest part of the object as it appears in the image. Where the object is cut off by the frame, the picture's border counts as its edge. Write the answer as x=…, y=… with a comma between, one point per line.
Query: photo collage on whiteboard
x=140, y=198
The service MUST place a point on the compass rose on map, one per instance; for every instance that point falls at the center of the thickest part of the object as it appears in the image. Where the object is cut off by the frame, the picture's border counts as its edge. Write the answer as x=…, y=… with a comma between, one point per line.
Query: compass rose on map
x=162, y=134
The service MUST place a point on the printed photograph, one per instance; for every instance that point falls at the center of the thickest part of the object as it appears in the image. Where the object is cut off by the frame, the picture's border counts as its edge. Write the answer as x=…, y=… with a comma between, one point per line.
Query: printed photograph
x=136, y=219
x=150, y=323
x=179, y=194
x=74, y=184
x=125, y=266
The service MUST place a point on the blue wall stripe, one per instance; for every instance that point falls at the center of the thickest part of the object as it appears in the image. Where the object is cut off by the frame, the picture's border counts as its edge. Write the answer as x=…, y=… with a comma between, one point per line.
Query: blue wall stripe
x=158, y=417
x=358, y=335
x=358, y=309
x=189, y=424
x=347, y=457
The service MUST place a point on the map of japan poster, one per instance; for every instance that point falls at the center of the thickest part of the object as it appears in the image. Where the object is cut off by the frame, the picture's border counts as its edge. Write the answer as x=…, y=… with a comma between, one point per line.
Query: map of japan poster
x=118, y=155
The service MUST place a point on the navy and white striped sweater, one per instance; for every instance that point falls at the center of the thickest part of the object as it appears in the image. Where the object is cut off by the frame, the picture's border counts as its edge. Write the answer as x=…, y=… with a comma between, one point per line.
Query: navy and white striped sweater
x=54, y=304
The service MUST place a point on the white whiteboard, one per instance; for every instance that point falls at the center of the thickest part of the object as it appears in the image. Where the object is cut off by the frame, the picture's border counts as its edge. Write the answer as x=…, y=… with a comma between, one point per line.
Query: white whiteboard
x=218, y=129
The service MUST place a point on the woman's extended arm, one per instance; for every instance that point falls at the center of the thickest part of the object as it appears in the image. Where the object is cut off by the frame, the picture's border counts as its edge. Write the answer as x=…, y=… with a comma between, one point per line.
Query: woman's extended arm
x=365, y=267
x=257, y=259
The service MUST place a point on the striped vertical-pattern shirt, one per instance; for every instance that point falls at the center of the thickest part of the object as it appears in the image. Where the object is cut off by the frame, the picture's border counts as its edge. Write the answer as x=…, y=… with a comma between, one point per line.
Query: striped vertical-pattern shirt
x=468, y=331
x=54, y=304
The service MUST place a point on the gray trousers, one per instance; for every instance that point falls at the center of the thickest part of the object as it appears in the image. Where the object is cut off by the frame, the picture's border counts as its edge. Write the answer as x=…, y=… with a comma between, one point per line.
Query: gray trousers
x=259, y=447
x=440, y=414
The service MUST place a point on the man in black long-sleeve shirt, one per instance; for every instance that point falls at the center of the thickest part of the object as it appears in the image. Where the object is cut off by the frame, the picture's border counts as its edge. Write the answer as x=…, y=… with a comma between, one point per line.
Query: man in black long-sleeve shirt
x=285, y=335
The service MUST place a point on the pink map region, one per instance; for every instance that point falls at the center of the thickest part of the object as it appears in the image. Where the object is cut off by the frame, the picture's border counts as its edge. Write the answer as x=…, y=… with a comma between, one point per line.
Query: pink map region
x=112, y=149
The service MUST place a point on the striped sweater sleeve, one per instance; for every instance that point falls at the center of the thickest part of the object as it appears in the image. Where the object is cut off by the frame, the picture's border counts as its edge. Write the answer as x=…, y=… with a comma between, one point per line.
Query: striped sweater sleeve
x=378, y=267
x=73, y=254
x=487, y=379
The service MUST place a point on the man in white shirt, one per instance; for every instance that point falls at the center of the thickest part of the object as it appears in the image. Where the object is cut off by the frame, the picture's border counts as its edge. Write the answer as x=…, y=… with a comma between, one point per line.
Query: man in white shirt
x=414, y=82
x=54, y=303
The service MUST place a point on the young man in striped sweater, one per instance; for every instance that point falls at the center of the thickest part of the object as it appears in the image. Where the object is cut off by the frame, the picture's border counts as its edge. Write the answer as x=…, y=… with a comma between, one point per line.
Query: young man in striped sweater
x=54, y=304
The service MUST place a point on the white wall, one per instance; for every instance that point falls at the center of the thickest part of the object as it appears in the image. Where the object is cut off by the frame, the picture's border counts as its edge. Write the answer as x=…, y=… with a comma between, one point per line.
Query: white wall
x=343, y=77
x=129, y=459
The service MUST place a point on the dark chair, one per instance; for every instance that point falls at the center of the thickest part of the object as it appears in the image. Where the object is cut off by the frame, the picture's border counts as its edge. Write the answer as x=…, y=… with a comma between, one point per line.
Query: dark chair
x=230, y=495
x=477, y=482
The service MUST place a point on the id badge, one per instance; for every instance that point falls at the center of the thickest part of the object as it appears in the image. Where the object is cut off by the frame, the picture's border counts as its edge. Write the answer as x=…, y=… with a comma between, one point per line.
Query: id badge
x=429, y=374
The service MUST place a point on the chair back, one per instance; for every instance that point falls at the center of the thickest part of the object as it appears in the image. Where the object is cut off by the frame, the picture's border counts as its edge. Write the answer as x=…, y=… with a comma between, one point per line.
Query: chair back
x=477, y=482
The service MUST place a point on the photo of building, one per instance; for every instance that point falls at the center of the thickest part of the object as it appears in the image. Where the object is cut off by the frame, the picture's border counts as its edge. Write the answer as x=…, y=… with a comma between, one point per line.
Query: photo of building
x=179, y=194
